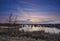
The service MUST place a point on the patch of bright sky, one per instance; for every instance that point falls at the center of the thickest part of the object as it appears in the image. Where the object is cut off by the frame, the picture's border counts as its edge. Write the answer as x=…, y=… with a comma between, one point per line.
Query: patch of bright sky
x=32, y=10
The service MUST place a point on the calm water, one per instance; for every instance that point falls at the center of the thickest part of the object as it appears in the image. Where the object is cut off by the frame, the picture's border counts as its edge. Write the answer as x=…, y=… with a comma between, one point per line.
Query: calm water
x=46, y=29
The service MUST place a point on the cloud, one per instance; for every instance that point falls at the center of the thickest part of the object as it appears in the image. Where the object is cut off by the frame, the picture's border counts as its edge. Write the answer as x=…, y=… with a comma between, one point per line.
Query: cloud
x=30, y=12
x=32, y=16
x=37, y=17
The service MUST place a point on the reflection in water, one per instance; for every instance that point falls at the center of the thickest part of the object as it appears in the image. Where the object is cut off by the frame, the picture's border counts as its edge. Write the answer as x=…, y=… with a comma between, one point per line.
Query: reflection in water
x=46, y=29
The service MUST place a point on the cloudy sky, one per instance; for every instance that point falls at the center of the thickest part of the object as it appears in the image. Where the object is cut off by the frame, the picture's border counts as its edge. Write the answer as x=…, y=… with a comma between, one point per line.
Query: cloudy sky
x=31, y=11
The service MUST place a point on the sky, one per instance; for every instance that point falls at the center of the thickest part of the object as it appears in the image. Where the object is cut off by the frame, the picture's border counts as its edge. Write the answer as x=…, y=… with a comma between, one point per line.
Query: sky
x=30, y=11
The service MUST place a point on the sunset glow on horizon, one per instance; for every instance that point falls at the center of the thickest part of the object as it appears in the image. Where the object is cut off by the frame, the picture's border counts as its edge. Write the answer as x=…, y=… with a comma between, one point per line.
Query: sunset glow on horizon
x=31, y=11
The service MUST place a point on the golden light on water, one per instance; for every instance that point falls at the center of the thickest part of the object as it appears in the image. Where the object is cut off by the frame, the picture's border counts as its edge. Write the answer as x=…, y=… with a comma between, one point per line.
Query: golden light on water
x=35, y=28
x=46, y=29
x=31, y=29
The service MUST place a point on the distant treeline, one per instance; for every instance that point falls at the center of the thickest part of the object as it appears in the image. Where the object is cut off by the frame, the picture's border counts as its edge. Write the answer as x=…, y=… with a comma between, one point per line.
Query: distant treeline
x=36, y=25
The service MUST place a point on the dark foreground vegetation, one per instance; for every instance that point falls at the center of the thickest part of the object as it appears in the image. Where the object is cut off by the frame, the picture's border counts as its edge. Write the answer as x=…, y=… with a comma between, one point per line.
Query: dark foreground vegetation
x=29, y=36
x=12, y=34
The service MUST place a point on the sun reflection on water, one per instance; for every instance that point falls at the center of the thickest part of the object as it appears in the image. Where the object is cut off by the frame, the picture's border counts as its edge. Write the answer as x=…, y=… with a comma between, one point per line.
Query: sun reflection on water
x=46, y=29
